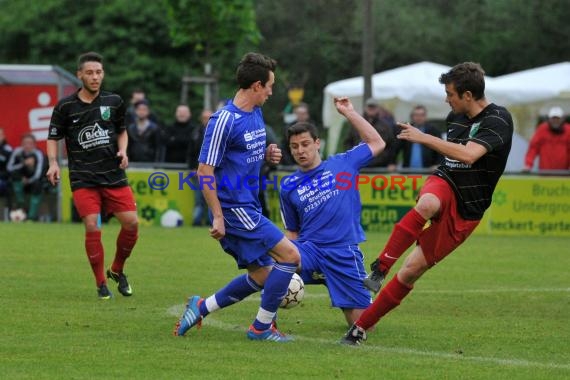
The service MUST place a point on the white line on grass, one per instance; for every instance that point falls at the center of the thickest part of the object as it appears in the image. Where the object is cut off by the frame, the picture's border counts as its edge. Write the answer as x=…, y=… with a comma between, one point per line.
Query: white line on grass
x=495, y=290
x=255, y=297
x=176, y=310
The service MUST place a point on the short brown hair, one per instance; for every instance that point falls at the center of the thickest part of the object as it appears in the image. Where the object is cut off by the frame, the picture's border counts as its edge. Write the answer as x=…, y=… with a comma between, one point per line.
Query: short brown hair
x=466, y=76
x=89, y=57
x=254, y=67
x=302, y=127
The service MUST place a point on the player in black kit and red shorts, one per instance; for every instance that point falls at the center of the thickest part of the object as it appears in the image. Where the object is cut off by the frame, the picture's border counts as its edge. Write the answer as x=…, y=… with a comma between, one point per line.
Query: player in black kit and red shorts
x=92, y=123
x=453, y=199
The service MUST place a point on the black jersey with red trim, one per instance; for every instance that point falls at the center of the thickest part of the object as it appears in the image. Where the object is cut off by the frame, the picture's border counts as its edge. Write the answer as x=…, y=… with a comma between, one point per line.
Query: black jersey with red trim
x=90, y=131
x=474, y=184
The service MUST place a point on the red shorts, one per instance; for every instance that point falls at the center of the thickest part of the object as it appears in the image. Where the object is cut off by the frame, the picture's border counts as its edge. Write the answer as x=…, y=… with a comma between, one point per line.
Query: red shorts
x=90, y=200
x=447, y=229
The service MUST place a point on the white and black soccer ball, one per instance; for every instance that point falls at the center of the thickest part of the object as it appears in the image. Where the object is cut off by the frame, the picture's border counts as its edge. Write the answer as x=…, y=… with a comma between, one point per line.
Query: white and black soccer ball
x=295, y=293
x=171, y=218
x=18, y=215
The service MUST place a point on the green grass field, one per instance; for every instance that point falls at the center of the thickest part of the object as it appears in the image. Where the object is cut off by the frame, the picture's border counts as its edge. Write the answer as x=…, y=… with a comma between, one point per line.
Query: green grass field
x=498, y=308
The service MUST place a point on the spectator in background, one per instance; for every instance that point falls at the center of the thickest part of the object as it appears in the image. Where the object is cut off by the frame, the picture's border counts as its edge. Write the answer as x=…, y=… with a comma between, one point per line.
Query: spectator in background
x=144, y=135
x=550, y=143
x=5, y=153
x=26, y=167
x=383, y=122
x=177, y=137
x=200, y=214
x=266, y=169
x=136, y=96
x=418, y=156
x=302, y=115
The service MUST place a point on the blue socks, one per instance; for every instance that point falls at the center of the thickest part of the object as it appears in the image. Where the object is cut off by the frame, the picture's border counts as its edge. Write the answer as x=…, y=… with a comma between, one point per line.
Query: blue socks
x=236, y=290
x=275, y=289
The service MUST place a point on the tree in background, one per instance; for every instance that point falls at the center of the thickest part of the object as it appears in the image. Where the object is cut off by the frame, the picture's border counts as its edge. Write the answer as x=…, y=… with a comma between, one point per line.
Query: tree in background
x=133, y=36
x=152, y=44
x=217, y=32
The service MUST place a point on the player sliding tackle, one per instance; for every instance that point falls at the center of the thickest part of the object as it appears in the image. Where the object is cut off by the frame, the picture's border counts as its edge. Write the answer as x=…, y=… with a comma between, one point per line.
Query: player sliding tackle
x=230, y=150
x=453, y=199
x=323, y=220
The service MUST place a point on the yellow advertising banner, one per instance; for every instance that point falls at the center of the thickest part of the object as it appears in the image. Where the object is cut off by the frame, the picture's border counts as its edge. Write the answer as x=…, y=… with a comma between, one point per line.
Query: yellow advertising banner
x=522, y=205
x=155, y=193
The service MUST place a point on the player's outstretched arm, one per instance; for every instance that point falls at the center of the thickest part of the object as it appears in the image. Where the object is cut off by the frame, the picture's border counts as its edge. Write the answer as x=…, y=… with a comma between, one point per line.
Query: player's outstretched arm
x=365, y=130
x=53, y=171
x=467, y=154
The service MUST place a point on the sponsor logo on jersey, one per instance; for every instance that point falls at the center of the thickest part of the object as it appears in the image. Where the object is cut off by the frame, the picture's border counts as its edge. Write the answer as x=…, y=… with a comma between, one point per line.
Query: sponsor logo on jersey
x=105, y=112
x=253, y=135
x=474, y=129
x=92, y=136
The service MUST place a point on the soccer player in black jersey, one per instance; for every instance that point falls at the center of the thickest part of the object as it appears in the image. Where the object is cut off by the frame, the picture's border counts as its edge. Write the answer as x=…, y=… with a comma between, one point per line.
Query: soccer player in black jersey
x=92, y=123
x=453, y=199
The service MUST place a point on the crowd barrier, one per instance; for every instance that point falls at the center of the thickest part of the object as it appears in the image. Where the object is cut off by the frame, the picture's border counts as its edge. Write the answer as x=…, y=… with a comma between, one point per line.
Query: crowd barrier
x=522, y=204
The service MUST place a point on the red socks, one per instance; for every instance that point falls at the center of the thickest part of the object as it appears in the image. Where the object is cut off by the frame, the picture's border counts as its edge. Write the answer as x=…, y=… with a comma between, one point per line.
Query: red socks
x=125, y=243
x=390, y=297
x=94, y=249
x=405, y=233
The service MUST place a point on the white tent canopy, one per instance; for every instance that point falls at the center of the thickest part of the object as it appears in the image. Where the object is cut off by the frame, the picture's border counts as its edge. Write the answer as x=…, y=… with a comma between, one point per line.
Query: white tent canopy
x=398, y=90
x=528, y=94
x=533, y=92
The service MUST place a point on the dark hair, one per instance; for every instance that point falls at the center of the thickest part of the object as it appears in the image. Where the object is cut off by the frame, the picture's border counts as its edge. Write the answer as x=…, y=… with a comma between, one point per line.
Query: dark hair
x=467, y=76
x=420, y=107
x=142, y=102
x=302, y=127
x=89, y=57
x=254, y=67
x=28, y=136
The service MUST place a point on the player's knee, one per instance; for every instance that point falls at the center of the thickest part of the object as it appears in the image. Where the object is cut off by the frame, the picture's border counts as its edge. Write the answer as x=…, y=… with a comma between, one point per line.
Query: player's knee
x=291, y=255
x=428, y=205
x=91, y=226
x=131, y=224
x=411, y=271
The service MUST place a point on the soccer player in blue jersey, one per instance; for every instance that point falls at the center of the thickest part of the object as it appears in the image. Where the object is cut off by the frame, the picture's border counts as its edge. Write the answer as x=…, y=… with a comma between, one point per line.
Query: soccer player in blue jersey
x=233, y=152
x=322, y=216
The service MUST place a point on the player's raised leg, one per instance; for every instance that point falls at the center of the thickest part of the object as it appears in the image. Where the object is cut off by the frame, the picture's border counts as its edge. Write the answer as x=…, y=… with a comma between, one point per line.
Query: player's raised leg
x=390, y=297
x=404, y=234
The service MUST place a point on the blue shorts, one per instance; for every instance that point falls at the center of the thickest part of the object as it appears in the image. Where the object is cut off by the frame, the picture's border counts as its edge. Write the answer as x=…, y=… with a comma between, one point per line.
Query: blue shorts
x=252, y=246
x=340, y=269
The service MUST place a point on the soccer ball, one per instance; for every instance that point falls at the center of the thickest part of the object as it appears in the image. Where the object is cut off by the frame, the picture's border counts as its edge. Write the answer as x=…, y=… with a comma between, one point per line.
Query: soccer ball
x=171, y=218
x=17, y=215
x=295, y=293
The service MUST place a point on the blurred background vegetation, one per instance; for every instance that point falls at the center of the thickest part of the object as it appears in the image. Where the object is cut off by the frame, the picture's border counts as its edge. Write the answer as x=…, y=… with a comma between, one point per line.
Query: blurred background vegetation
x=151, y=45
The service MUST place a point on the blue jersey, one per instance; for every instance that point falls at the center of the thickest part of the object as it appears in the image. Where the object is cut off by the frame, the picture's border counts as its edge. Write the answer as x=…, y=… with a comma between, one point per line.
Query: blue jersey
x=234, y=143
x=316, y=206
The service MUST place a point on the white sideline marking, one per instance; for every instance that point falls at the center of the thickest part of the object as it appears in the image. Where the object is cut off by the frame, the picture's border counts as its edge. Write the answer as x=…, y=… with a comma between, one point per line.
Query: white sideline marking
x=177, y=310
x=496, y=290
x=255, y=297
